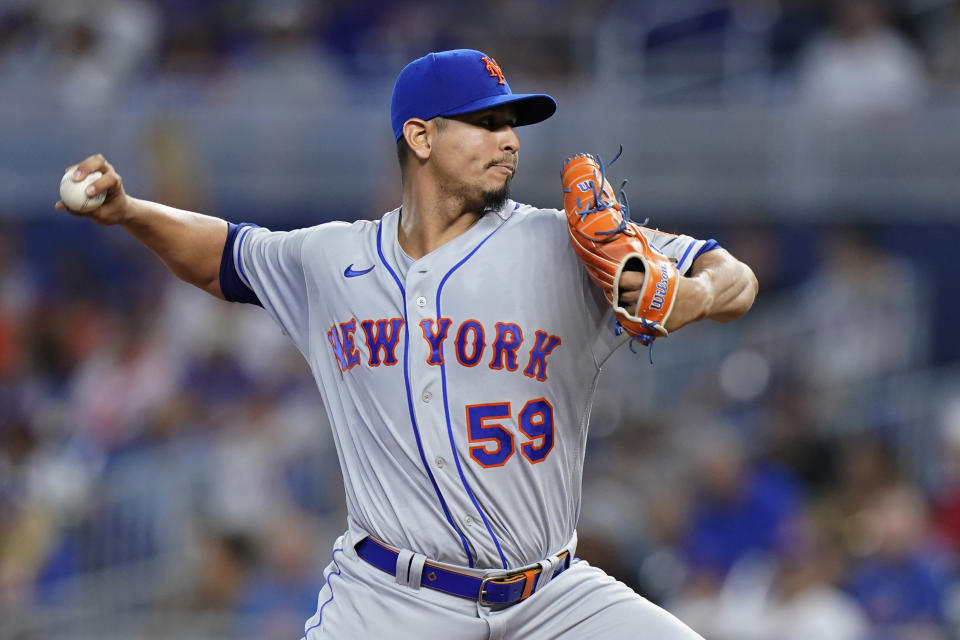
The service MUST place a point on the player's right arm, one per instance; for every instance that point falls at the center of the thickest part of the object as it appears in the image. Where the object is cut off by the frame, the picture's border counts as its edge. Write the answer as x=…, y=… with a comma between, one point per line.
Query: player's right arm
x=190, y=244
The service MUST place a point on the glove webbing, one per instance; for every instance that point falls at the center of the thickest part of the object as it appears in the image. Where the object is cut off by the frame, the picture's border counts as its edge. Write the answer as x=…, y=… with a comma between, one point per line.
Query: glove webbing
x=600, y=205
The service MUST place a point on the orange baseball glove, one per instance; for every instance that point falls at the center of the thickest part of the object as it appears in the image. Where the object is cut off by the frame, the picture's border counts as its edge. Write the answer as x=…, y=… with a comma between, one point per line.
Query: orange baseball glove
x=608, y=244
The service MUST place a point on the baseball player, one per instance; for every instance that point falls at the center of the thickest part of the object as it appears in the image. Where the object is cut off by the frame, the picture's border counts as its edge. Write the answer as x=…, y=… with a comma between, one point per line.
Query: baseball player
x=457, y=343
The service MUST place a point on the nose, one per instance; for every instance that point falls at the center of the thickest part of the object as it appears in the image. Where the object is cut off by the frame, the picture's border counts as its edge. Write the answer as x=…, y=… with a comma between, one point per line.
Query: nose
x=509, y=140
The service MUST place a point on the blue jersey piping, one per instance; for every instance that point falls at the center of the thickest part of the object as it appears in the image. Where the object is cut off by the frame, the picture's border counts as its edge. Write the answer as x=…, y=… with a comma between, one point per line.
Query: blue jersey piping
x=446, y=404
x=707, y=246
x=333, y=556
x=406, y=383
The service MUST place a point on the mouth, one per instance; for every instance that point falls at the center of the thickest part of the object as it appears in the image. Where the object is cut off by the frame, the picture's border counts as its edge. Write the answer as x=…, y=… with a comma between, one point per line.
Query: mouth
x=505, y=166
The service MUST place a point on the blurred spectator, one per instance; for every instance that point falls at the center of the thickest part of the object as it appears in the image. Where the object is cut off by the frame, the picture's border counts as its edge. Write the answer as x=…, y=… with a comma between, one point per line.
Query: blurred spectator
x=177, y=175
x=628, y=522
x=805, y=602
x=740, y=510
x=115, y=386
x=130, y=527
x=795, y=441
x=903, y=582
x=95, y=47
x=18, y=289
x=868, y=284
x=284, y=58
x=945, y=47
x=731, y=609
x=217, y=377
x=789, y=595
x=26, y=539
x=283, y=593
x=246, y=484
x=224, y=566
x=946, y=505
x=798, y=22
x=864, y=471
x=197, y=33
x=861, y=66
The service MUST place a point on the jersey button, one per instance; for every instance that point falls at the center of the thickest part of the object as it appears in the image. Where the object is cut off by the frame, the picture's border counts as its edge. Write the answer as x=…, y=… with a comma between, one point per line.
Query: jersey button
x=421, y=301
x=439, y=462
x=427, y=396
x=469, y=521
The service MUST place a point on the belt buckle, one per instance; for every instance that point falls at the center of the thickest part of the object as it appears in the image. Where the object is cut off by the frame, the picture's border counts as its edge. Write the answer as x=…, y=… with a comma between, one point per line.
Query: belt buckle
x=483, y=592
x=528, y=576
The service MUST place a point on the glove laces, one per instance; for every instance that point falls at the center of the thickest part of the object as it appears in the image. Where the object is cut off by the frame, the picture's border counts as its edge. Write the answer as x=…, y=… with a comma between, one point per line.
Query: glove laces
x=621, y=204
x=645, y=340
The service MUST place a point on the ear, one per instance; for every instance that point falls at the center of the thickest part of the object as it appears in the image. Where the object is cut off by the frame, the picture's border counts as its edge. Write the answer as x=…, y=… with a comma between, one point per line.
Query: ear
x=417, y=134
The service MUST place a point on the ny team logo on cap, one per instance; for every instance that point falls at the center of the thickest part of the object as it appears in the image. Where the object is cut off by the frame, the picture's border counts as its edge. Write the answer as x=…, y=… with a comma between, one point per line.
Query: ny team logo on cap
x=494, y=69
x=458, y=81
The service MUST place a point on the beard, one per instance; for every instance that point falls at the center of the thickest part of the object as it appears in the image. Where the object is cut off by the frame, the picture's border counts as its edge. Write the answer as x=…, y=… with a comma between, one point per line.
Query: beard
x=494, y=200
x=474, y=199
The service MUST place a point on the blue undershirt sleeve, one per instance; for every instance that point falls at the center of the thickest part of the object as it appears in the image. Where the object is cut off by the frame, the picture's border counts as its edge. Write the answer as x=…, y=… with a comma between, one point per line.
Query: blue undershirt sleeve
x=231, y=279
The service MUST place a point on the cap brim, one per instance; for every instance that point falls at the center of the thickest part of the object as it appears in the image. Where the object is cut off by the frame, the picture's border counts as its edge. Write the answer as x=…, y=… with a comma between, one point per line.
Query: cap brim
x=531, y=108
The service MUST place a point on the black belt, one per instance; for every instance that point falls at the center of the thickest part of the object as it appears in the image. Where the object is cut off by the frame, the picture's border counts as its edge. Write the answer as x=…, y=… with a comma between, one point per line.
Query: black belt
x=498, y=591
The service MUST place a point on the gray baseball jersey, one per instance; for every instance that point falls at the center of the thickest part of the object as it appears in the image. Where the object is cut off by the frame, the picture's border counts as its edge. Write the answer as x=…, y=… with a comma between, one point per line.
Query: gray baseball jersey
x=459, y=385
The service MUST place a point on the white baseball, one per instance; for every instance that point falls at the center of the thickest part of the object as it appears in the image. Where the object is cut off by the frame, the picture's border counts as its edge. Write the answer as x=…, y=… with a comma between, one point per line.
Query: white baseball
x=74, y=194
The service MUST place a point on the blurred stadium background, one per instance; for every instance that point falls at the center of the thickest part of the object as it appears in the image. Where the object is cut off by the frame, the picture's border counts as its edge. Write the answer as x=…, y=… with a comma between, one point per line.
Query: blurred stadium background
x=165, y=464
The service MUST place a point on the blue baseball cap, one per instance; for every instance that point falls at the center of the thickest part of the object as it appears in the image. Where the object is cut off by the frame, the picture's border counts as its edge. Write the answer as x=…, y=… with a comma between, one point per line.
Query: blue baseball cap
x=450, y=83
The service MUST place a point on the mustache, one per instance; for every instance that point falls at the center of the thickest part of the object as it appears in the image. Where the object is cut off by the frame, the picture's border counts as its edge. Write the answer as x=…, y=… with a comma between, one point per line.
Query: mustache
x=510, y=161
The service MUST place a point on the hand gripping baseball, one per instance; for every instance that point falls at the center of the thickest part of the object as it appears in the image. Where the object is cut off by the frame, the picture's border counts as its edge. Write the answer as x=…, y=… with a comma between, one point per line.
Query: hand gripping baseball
x=609, y=244
x=114, y=205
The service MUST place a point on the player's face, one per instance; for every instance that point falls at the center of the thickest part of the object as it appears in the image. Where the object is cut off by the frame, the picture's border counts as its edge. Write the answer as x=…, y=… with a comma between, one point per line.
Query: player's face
x=477, y=155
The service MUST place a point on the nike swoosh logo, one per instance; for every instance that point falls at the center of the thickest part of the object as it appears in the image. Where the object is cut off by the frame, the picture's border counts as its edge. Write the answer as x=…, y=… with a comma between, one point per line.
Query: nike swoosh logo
x=351, y=273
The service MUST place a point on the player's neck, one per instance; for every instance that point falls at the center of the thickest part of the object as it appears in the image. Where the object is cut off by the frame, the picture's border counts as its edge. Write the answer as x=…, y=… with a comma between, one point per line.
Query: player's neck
x=428, y=223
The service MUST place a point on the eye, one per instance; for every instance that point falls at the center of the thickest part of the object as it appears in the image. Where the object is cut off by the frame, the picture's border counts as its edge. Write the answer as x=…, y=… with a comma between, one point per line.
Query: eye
x=493, y=122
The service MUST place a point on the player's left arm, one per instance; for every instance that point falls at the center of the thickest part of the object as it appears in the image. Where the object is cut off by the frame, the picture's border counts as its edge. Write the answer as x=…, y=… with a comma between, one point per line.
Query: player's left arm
x=717, y=287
